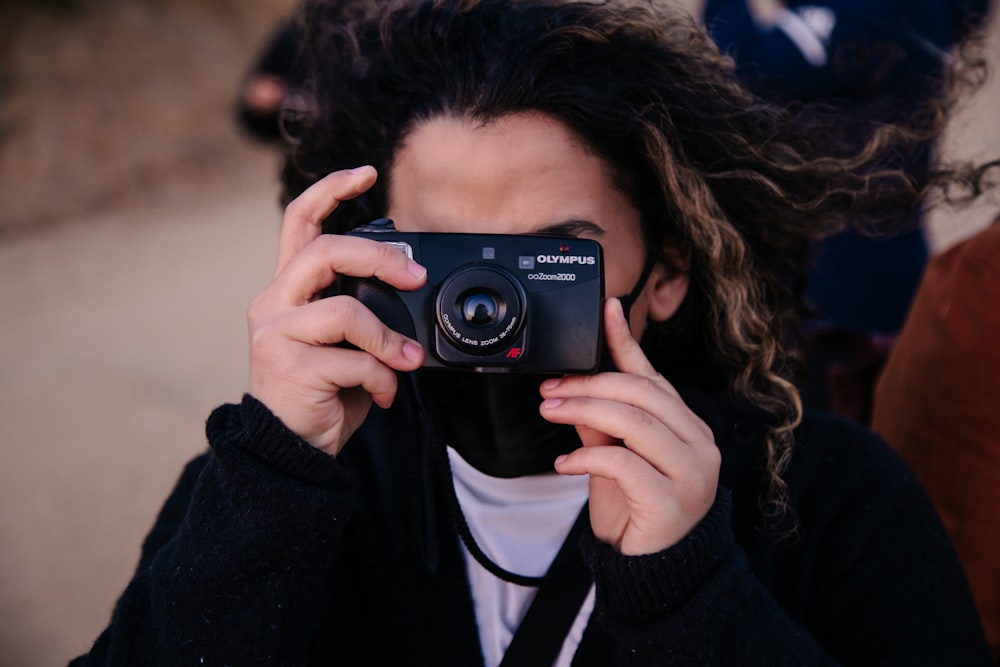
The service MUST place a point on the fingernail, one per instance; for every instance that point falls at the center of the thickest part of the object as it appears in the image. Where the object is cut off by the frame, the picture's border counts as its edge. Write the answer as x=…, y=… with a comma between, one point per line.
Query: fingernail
x=411, y=351
x=619, y=310
x=360, y=170
x=552, y=402
x=551, y=383
x=561, y=458
x=416, y=270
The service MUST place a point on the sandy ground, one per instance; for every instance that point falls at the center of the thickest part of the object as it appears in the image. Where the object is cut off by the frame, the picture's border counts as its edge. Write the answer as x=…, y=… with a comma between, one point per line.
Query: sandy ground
x=123, y=325
x=120, y=332
x=136, y=224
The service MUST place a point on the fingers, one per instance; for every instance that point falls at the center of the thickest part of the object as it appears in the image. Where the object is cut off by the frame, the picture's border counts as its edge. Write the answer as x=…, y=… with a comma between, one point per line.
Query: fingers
x=632, y=506
x=639, y=481
x=626, y=353
x=316, y=266
x=617, y=404
x=616, y=464
x=325, y=374
x=306, y=213
x=344, y=319
x=637, y=406
x=323, y=393
x=654, y=437
x=354, y=369
x=319, y=392
x=646, y=495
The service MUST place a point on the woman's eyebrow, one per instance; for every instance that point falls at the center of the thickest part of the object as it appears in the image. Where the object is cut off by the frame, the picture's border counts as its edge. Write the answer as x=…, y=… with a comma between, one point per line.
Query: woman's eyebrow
x=572, y=227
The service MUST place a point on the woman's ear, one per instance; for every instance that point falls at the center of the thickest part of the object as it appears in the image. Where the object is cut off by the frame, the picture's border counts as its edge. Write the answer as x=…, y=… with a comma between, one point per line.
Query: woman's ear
x=670, y=279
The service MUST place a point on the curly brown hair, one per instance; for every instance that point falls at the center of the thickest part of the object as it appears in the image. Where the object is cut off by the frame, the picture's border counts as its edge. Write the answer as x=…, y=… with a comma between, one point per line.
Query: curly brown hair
x=739, y=188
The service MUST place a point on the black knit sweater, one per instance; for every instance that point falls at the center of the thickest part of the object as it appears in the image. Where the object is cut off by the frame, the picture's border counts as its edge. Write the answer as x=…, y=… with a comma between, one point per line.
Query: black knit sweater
x=269, y=552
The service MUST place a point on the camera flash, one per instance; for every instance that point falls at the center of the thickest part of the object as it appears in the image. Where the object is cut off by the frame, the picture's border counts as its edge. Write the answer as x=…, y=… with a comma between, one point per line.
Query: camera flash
x=489, y=253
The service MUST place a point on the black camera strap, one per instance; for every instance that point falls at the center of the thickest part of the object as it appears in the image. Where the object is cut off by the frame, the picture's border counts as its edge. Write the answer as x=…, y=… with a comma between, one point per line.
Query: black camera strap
x=561, y=590
x=541, y=634
x=440, y=470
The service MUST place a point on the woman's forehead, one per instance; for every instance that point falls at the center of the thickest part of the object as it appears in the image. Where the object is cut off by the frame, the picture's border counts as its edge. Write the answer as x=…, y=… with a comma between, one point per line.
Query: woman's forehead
x=523, y=171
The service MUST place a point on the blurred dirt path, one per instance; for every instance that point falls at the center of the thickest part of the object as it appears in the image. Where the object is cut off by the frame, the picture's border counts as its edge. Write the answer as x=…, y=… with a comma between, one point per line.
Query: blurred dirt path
x=120, y=333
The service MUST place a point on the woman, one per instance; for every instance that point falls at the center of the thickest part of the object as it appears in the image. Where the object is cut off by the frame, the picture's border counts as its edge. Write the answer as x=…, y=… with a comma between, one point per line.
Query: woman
x=676, y=510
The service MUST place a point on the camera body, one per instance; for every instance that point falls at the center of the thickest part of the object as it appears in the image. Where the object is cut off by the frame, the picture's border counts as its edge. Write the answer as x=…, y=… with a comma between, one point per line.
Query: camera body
x=493, y=302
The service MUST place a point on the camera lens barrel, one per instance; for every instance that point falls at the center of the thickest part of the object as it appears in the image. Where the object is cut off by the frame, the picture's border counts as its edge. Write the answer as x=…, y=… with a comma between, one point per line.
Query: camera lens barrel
x=480, y=308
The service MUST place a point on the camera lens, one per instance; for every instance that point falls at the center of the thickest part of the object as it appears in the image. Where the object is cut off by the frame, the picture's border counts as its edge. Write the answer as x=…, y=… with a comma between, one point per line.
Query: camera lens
x=480, y=308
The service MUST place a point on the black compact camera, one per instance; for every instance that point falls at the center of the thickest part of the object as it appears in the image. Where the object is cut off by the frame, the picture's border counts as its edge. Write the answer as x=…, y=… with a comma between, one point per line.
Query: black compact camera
x=493, y=302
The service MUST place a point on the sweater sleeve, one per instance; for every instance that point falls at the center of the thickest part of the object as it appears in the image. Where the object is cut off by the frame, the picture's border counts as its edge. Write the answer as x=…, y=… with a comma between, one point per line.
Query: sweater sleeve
x=695, y=603
x=870, y=578
x=239, y=562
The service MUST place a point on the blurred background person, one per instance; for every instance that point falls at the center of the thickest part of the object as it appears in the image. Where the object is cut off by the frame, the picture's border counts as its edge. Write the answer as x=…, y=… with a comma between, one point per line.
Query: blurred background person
x=936, y=404
x=273, y=82
x=880, y=60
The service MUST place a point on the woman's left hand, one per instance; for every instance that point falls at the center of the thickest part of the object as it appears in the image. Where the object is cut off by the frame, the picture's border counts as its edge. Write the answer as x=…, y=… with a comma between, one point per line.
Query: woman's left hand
x=653, y=463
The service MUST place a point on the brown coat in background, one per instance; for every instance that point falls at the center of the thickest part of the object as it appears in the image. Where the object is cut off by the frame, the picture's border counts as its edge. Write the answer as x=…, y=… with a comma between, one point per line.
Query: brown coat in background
x=938, y=404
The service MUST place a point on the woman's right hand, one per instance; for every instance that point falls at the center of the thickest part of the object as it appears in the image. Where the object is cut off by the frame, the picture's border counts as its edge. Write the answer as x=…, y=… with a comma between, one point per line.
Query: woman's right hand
x=320, y=392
